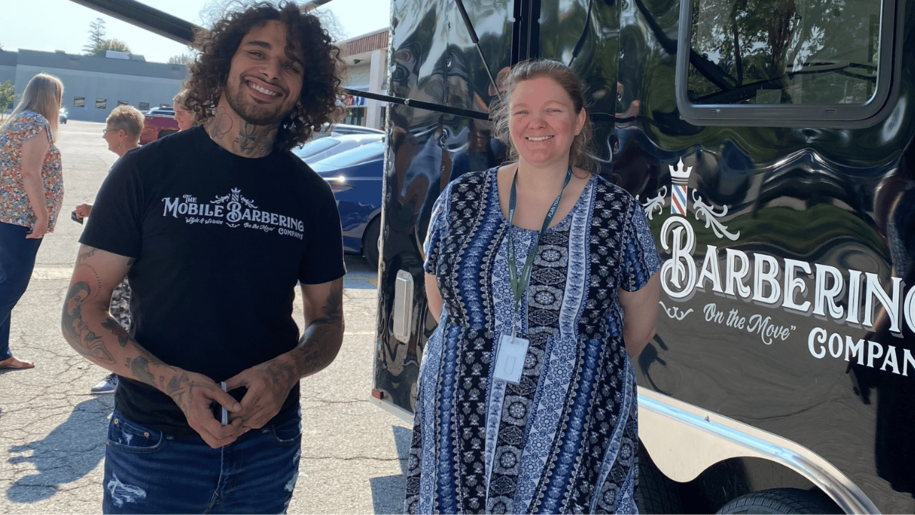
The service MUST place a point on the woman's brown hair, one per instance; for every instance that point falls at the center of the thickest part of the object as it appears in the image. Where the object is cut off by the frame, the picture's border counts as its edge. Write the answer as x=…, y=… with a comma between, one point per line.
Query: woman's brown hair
x=318, y=101
x=580, y=152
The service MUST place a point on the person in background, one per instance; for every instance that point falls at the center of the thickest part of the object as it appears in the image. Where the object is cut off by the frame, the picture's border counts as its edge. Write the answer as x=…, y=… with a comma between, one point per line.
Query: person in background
x=31, y=193
x=544, y=279
x=206, y=416
x=122, y=133
x=183, y=116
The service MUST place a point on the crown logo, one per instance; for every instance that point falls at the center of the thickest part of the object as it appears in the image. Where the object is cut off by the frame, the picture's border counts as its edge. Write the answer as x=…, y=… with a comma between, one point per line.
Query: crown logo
x=678, y=175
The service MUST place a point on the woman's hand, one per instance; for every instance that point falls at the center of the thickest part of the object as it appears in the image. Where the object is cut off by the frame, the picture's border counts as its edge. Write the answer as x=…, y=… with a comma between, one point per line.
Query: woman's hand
x=640, y=314
x=39, y=229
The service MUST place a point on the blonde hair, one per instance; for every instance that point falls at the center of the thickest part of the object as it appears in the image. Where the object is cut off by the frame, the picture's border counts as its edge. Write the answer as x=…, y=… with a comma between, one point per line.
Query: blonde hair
x=128, y=119
x=43, y=95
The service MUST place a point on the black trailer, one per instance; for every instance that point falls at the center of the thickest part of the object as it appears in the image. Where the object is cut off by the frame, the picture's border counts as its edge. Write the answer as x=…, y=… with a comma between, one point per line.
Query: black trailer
x=770, y=142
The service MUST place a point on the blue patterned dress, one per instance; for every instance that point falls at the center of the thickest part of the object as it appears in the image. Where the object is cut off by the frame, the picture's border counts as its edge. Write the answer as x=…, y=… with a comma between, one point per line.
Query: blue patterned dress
x=565, y=439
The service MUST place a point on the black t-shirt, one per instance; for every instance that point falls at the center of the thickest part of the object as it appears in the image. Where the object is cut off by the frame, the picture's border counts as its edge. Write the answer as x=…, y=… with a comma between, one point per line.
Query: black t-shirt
x=220, y=242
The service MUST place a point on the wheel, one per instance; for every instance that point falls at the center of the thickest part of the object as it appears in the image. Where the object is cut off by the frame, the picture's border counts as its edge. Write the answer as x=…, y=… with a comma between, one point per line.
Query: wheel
x=370, y=241
x=781, y=500
x=163, y=134
x=656, y=493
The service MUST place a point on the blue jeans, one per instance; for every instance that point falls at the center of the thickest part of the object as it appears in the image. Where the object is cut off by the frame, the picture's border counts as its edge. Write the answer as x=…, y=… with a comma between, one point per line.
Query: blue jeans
x=17, y=259
x=147, y=471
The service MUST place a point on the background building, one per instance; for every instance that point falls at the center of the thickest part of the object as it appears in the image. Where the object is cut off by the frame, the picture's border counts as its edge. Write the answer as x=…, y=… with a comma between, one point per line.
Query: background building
x=93, y=86
x=367, y=70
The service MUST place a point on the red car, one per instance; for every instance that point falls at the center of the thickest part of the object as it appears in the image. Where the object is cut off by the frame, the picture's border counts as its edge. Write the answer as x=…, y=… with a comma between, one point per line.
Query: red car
x=159, y=123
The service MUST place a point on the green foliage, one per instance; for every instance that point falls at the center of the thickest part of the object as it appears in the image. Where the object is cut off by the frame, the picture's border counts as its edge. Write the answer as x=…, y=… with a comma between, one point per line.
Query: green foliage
x=184, y=59
x=108, y=44
x=98, y=45
x=96, y=37
x=6, y=96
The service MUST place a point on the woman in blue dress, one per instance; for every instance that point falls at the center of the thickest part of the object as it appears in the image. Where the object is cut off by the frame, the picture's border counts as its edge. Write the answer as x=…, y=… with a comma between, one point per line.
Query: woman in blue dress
x=543, y=277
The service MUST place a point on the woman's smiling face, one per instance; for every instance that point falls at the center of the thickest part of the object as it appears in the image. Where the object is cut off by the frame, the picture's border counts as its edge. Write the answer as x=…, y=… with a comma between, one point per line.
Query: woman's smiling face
x=543, y=122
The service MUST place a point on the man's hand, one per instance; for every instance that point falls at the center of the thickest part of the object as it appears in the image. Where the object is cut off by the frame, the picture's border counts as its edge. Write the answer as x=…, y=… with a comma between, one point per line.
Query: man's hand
x=269, y=383
x=268, y=386
x=83, y=210
x=194, y=394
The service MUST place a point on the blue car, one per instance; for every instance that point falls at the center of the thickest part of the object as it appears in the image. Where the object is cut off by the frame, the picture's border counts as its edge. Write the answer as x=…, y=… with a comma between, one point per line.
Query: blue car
x=355, y=176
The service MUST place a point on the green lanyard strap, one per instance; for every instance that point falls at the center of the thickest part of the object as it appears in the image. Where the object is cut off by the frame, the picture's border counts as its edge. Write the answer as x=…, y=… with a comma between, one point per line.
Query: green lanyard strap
x=520, y=284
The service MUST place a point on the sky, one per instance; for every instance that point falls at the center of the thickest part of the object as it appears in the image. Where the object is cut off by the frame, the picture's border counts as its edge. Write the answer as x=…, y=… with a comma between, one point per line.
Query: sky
x=64, y=25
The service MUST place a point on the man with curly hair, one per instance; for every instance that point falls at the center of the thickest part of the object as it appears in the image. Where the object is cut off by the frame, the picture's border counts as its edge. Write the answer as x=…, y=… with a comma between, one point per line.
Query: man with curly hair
x=214, y=227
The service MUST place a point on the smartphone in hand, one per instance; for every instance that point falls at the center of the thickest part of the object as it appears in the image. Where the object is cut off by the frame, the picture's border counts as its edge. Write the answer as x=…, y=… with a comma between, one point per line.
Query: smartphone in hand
x=219, y=411
x=76, y=218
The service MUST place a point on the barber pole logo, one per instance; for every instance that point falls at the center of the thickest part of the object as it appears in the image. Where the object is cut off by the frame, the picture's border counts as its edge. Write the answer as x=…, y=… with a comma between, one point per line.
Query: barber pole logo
x=680, y=179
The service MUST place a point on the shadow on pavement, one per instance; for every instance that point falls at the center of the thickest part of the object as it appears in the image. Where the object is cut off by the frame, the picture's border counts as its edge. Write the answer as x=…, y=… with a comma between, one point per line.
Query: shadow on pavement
x=69, y=452
x=388, y=491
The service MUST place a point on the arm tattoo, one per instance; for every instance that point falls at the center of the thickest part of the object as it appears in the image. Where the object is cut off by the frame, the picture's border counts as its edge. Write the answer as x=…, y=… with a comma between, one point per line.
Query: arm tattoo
x=87, y=342
x=140, y=368
x=117, y=330
x=90, y=251
x=281, y=373
x=321, y=340
x=333, y=307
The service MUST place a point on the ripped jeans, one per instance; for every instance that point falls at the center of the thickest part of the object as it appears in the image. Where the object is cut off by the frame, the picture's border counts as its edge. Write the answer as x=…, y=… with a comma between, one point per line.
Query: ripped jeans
x=147, y=471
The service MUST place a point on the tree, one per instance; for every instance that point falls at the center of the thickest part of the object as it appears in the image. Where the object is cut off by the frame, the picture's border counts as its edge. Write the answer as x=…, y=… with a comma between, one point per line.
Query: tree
x=184, y=59
x=96, y=37
x=6, y=96
x=108, y=44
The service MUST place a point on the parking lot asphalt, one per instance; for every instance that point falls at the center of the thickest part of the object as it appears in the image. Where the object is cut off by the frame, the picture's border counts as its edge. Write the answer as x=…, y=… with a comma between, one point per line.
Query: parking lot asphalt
x=53, y=431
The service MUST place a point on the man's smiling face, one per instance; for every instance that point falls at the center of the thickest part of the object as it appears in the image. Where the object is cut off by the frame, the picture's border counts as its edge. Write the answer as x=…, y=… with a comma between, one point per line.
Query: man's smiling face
x=265, y=77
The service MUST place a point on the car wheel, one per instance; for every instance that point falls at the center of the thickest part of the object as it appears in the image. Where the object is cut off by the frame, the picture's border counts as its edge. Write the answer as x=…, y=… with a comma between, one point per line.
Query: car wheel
x=163, y=134
x=370, y=241
x=781, y=500
x=656, y=493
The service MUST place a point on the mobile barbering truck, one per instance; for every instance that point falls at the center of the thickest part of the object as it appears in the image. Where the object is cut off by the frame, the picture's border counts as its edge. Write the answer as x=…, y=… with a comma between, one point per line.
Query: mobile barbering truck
x=770, y=143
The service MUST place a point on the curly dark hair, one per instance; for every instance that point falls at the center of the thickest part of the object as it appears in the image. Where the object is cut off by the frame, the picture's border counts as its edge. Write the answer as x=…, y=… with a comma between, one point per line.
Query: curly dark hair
x=580, y=154
x=317, y=102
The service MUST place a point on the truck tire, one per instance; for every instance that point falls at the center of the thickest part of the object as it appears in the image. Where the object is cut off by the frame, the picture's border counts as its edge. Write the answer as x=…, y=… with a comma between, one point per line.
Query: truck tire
x=370, y=241
x=781, y=500
x=656, y=493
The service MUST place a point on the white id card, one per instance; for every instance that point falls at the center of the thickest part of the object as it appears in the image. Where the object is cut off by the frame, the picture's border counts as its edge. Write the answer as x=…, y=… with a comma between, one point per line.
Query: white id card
x=510, y=360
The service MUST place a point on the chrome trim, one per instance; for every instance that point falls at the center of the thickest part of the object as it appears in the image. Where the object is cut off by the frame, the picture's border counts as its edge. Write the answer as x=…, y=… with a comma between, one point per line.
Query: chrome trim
x=397, y=411
x=403, y=306
x=685, y=440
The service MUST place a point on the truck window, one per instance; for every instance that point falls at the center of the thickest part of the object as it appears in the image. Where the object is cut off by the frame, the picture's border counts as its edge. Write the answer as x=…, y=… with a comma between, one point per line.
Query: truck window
x=751, y=59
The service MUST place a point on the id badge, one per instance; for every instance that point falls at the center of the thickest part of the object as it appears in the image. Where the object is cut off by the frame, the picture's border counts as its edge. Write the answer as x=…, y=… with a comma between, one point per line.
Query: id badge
x=510, y=360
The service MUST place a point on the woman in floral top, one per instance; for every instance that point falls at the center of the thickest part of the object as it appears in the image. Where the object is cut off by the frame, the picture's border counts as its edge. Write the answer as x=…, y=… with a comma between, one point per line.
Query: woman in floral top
x=31, y=193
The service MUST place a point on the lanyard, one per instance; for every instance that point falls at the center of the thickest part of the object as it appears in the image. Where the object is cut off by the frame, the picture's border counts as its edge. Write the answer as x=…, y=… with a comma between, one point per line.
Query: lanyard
x=519, y=284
